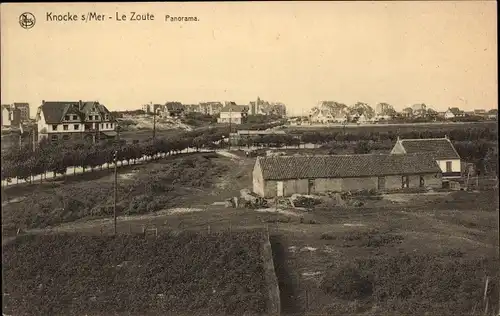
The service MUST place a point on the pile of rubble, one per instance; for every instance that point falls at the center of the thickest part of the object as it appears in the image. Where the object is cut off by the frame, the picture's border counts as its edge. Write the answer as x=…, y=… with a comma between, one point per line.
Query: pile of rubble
x=246, y=199
x=307, y=201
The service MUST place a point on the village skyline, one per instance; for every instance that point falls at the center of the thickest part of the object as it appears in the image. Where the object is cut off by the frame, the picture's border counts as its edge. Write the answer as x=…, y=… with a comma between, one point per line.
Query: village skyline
x=437, y=53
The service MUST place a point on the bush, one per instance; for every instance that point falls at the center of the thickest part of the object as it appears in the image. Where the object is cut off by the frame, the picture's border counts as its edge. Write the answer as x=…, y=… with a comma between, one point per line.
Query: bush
x=349, y=283
x=415, y=284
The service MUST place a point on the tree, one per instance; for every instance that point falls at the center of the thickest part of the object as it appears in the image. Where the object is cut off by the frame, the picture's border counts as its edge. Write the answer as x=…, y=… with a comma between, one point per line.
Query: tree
x=200, y=142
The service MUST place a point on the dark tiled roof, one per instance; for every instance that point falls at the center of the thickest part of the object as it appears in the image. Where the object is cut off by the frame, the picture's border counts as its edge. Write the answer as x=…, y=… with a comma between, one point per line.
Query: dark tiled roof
x=439, y=148
x=174, y=106
x=54, y=111
x=345, y=166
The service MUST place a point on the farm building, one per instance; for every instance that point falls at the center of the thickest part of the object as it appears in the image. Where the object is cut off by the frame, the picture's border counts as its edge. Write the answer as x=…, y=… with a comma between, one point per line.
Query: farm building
x=441, y=149
x=286, y=175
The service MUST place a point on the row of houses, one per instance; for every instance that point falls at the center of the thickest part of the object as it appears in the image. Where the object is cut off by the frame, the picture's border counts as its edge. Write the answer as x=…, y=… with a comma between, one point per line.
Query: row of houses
x=258, y=107
x=334, y=112
x=15, y=114
x=412, y=163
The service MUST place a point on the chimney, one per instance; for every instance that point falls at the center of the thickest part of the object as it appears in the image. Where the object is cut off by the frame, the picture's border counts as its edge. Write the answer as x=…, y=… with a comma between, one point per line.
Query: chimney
x=80, y=105
x=43, y=102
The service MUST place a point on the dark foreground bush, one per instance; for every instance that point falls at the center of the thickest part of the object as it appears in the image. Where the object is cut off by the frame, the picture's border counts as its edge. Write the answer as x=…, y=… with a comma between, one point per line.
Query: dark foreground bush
x=416, y=284
x=221, y=274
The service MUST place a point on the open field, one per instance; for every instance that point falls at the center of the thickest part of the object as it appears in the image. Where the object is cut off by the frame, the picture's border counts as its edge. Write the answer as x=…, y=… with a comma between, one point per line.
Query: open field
x=401, y=253
x=185, y=274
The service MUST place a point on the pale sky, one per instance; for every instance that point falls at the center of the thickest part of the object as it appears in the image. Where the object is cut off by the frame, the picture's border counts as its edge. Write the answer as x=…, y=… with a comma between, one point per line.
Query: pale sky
x=443, y=54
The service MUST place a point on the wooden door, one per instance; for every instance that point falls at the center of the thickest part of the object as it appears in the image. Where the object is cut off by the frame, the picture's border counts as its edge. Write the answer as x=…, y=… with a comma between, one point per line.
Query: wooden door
x=280, y=188
x=381, y=183
x=310, y=186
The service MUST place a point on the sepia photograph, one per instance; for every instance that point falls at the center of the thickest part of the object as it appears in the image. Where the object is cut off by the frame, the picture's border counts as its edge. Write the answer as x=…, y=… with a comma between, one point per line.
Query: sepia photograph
x=260, y=158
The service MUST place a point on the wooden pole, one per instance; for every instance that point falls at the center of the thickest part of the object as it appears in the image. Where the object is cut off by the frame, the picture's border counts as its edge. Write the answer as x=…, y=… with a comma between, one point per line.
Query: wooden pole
x=230, y=119
x=154, y=121
x=115, y=190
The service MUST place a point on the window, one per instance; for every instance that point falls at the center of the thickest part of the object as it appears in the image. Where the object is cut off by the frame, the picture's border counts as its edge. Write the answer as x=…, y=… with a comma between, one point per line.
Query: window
x=65, y=137
x=107, y=117
x=111, y=125
x=422, y=181
x=107, y=125
x=448, y=166
x=66, y=117
x=75, y=117
x=54, y=127
x=90, y=117
x=53, y=138
x=76, y=127
x=65, y=127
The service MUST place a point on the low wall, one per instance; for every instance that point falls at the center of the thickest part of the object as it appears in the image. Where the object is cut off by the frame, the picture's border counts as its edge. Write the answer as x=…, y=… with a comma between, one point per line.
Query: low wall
x=274, y=304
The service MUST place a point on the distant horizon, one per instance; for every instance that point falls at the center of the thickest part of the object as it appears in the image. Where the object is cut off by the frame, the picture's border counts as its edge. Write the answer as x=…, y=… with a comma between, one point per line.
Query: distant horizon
x=32, y=113
x=443, y=54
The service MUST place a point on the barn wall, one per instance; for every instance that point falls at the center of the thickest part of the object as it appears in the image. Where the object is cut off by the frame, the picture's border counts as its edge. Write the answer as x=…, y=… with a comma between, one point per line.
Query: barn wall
x=295, y=186
x=270, y=189
x=323, y=185
x=258, y=181
x=393, y=182
x=300, y=186
x=414, y=181
x=434, y=181
x=354, y=184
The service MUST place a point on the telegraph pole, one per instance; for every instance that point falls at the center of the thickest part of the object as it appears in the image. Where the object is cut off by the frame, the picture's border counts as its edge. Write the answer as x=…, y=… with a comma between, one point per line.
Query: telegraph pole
x=115, y=158
x=229, y=136
x=154, y=121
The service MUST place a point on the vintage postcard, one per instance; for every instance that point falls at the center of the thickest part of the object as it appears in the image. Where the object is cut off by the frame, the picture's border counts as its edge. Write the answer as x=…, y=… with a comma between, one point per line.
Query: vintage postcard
x=250, y=158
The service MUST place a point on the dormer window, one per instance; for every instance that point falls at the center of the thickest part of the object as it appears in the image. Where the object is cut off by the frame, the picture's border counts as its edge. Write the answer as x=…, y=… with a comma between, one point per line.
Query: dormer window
x=75, y=117
x=66, y=117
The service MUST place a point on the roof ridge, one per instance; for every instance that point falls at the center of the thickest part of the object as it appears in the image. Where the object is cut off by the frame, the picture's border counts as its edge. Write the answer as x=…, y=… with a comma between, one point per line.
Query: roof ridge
x=417, y=139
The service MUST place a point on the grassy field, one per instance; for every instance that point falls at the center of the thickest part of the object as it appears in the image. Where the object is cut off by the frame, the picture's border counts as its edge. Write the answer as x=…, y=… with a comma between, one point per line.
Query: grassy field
x=185, y=274
x=397, y=254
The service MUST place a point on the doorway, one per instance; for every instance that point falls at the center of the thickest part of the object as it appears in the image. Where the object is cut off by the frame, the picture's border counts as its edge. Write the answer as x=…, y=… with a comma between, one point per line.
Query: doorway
x=381, y=183
x=405, y=182
x=280, y=190
x=310, y=186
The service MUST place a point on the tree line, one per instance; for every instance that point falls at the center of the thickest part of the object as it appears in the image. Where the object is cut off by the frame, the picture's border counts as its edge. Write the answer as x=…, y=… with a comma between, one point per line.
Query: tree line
x=475, y=145
x=25, y=163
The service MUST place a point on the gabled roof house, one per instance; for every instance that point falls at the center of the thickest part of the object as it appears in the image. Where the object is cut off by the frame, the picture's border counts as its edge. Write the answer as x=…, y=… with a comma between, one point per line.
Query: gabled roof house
x=440, y=149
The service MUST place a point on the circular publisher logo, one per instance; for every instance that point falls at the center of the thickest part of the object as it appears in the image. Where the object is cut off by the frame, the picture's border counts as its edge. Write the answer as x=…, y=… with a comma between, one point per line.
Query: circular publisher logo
x=27, y=20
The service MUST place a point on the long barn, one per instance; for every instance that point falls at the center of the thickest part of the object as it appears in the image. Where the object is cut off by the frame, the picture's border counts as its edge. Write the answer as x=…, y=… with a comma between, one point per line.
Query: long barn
x=287, y=175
